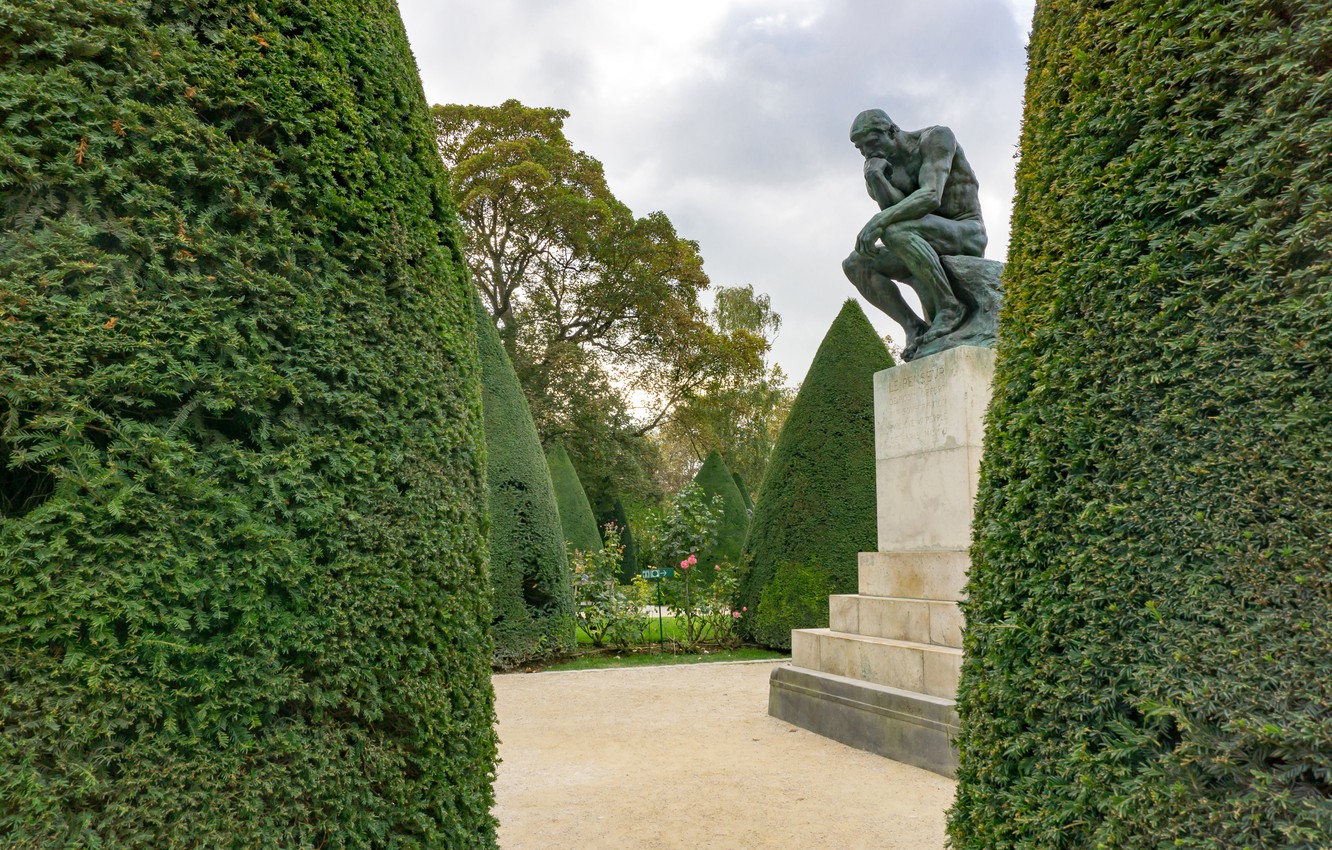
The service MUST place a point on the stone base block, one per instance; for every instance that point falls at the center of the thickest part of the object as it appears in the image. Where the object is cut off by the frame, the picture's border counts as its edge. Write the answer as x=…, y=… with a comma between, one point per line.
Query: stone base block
x=929, y=425
x=915, y=620
x=908, y=727
x=938, y=574
x=923, y=668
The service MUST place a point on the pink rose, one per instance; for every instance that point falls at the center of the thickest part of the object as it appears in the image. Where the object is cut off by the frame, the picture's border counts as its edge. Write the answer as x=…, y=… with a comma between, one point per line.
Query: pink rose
x=692, y=560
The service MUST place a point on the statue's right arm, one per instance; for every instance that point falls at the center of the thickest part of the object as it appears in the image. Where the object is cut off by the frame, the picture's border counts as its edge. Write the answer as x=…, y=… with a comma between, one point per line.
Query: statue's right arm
x=884, y=193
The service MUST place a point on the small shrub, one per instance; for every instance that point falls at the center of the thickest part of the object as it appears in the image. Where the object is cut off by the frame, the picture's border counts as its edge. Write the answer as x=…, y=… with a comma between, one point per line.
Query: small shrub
x=687, y=525
x=796, y=598
x=606, y=611
x=703, y=606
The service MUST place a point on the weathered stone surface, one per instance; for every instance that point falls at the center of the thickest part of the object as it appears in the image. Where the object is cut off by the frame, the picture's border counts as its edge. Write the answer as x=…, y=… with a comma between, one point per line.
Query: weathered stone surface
x=908, y=727
x=884, y=675
x=934, y=574
x=929, y=429
x=924, y=621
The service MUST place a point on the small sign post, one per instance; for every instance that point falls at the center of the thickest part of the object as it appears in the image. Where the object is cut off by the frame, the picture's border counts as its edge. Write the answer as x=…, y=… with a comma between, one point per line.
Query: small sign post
x=657, y=574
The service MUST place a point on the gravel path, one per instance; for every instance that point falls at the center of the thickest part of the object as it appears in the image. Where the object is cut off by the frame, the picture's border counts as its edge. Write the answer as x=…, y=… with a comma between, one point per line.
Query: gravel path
x=687, y=757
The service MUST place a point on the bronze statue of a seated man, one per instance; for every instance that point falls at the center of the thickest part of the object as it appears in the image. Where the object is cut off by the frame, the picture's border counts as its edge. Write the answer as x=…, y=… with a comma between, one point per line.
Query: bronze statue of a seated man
x=929, y=206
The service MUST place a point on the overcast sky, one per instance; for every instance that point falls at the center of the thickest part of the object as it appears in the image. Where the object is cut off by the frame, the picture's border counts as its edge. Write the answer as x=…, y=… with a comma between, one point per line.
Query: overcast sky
x=731, y=116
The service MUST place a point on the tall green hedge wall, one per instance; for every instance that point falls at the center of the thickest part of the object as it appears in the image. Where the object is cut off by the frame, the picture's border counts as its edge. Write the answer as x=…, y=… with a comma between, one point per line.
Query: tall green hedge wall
x=243, y=599
x=714, y=479
x=1148, y=643
x=532, y=607
x=580, y=527
x=816, y=503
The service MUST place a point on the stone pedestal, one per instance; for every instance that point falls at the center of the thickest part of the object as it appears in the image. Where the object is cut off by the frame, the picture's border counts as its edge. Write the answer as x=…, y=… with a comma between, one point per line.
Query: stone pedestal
x=883, y=676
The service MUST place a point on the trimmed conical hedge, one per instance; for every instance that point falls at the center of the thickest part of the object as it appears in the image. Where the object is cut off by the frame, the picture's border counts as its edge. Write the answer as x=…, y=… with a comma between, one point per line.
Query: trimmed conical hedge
x=629, y=553
x=714, y=479
x=580, y=526
x=816, y=503
x=1147, y=644
x=532, y=608
x=243, y=599
x=744, y=491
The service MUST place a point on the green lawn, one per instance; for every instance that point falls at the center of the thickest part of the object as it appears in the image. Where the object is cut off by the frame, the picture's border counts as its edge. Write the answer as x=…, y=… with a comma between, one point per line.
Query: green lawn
x=648, y=657
x=668, y=625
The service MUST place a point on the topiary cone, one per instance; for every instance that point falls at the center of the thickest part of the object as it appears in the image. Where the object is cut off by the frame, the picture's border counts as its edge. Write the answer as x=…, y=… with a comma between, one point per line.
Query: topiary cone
x=580, y=527
x=817, y=500
x=532, y=608
x=1146, y=652
x=242, y=507
x=714, y=479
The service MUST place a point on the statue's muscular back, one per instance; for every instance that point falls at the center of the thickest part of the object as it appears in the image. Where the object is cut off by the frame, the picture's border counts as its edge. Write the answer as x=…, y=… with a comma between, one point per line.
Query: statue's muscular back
x=961, y=194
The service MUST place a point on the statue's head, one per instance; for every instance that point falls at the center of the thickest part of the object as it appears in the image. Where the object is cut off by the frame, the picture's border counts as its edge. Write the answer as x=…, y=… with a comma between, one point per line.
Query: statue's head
x=871, y=129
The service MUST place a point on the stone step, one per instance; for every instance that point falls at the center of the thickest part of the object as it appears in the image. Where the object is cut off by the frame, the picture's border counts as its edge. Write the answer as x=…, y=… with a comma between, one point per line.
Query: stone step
x=917, y=667
x=935, y=574
x=904, y=726
x=915, y=620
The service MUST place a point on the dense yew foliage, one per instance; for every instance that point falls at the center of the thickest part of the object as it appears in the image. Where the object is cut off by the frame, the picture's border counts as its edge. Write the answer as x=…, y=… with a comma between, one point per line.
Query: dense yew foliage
x=816, y=504
x=628, y=546
x=716, y=482
x=243, y=599
x=1148, y=636
x=580, y=526
x=532, y=606
x=744, y=491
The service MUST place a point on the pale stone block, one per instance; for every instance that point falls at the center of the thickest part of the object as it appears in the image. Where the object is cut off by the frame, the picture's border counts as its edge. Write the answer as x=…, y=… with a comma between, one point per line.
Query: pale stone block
x=943, y=668
x=844, y=613
x=937, y=574
x=898, y=619
x=893, y=664
x=929, y=429
x=946, y=624
x=933, y=403
x=838, y=656
x=925, y=501
x=805, y=649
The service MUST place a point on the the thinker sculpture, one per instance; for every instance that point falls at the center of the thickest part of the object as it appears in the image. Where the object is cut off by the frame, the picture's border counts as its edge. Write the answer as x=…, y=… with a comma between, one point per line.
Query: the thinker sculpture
x=928, y=234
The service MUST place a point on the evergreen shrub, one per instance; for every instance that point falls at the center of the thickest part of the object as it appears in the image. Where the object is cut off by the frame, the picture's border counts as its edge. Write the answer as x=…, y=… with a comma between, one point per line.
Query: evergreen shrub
x=243, y=598
x=532, y=607
x=1148, y=640
x=580, y=527
x=744, y=491
x=796, y=598
x=716, y=483
x=628, y=546
x=817, y=501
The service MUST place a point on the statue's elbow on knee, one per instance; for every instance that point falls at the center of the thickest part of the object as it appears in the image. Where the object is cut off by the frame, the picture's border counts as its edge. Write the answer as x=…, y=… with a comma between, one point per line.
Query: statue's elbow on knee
x=853, y=266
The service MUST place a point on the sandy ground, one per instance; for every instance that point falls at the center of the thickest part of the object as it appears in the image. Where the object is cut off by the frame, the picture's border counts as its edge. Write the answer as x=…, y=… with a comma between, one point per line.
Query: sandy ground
x=687, y=757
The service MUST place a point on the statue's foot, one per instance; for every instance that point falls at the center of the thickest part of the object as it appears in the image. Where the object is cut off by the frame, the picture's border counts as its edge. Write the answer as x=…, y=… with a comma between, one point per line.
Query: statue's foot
x=945, y=322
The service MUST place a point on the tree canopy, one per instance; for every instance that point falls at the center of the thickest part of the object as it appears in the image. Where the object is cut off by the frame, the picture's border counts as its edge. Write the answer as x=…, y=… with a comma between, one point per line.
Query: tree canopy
x=740, y=413
x=599, y=309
